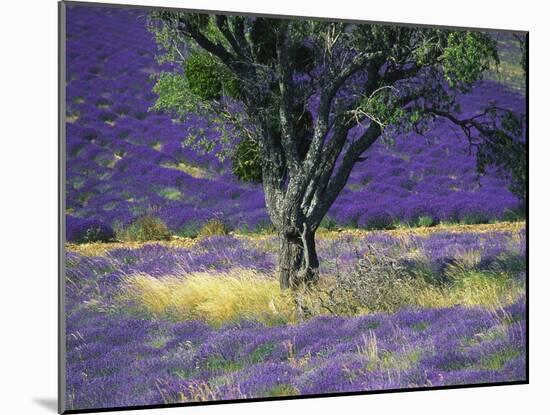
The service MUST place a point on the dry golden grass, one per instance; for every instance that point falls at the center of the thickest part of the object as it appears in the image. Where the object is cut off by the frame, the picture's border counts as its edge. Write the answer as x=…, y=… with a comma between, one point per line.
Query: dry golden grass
x=215, y=298
x=102, y=248
x=443, y=227
x=474, y=290
x=247, y=295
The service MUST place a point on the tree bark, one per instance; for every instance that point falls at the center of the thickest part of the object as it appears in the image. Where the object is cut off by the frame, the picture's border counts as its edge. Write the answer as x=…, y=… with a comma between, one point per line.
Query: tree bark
x=298, y=262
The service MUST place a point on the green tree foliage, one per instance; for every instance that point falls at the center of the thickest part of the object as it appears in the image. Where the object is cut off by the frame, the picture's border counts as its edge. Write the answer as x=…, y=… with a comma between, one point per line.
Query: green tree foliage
x=208, y=79
x=466, y=56
x=246, y=162
x=504, y=147
x=173, y=94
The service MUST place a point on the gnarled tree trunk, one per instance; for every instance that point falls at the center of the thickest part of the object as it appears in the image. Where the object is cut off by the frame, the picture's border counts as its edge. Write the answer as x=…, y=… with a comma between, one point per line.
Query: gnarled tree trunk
x=298, y=262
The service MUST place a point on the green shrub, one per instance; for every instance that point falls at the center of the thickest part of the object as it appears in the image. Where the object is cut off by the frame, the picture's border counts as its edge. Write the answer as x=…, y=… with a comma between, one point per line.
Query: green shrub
x=145, y=228
x=515, y=215
x=214, y=227
x=425, y=221
x=189, y=230
x=377, y=221
x=474, y=219
x=328, y=223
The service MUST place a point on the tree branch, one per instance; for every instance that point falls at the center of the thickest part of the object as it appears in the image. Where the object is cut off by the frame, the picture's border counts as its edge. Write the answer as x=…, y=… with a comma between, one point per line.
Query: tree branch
x=187, y=28
x=339, y=180
x=222, y=24
x=286, y=87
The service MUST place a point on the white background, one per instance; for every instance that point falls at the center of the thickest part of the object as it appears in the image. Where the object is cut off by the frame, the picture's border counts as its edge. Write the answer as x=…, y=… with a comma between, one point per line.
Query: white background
x=28, y=198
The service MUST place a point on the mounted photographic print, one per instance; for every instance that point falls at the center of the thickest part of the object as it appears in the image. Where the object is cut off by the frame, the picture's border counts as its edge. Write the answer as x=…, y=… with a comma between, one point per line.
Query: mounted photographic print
x=256, y=207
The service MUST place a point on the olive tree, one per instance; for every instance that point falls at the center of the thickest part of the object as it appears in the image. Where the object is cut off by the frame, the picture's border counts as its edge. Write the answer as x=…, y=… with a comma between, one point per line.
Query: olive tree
x=313, y=96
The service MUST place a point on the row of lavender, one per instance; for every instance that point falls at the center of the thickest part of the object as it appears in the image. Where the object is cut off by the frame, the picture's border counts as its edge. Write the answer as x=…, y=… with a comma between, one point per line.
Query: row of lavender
x=118, y=358
x=124, y=160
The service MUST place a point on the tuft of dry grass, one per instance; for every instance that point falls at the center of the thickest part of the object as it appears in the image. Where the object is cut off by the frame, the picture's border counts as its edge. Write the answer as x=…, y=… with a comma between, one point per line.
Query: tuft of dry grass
x=214, y=227
x=215, y=298
x=472, y=288
x=145, y=228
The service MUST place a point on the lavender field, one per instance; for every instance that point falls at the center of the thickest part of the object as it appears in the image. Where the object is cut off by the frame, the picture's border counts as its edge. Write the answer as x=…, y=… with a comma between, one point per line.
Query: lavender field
x=172, y=289
x=124, y=161
x=146, y=326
